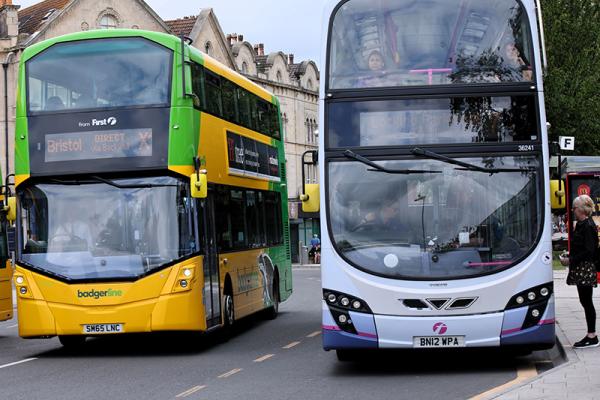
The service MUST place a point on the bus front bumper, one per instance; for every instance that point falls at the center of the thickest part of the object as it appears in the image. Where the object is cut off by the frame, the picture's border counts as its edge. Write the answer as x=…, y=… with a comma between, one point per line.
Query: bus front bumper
x=505, y=328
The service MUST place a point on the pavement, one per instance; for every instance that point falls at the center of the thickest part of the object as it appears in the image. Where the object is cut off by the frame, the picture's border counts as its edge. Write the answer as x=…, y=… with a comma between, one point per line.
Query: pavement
x=577, y=378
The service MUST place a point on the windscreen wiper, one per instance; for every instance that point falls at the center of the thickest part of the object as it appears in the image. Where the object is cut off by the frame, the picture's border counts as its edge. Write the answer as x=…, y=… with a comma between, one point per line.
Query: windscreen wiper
x=95, y=179
x=379, y=168
x=135, y=186
x=417, y=151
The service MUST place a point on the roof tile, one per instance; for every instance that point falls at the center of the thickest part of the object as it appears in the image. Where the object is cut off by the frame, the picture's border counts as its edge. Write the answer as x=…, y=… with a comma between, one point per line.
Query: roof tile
x=31, y=18
x=182, y=26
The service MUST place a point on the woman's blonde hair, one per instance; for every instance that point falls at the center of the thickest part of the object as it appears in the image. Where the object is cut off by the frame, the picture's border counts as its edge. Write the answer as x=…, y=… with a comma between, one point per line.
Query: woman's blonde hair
x=586, y=203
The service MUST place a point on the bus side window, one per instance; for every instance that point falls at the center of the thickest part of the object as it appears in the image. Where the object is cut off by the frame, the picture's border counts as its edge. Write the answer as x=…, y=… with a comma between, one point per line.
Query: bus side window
x=214, y=103
x=223, y=220
x=243, y=102
x=229, y=103
x=198, y=84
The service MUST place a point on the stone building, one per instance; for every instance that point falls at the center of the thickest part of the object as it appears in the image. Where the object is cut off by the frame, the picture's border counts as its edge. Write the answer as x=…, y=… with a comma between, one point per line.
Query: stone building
x=296, y=84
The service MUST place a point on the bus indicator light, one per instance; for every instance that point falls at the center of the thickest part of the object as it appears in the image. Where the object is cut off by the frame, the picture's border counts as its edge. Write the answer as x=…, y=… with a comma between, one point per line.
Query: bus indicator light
x=544, y=292
x=23, y=290
x=345, y=302
x=356, y=304
x=183, y=283
x=531, y=296
x=520, y=300
x=343, y=319
x=331, y=298
x=535, y=313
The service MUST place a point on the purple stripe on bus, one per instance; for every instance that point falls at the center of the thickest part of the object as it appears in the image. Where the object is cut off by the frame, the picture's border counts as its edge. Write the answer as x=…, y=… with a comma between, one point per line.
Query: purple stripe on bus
x=543, y=322
x=547, y=321
x=331, y=328
x=369, y=335
x=509, y=331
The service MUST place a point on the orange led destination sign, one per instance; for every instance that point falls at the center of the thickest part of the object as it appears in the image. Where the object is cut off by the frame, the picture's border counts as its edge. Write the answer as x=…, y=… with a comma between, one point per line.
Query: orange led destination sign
x=121, y=143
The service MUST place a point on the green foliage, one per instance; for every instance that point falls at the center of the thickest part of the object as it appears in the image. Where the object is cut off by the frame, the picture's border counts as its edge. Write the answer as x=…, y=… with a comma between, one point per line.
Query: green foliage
x=572, y=83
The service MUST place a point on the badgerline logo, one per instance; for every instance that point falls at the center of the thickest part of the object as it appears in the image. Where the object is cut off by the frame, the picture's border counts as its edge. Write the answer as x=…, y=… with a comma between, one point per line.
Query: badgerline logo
x=96, y=294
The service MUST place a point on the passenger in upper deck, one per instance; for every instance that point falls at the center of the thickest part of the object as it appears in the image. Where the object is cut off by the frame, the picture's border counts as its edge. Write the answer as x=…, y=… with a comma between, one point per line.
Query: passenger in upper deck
x=513, y=60
x=376, y=75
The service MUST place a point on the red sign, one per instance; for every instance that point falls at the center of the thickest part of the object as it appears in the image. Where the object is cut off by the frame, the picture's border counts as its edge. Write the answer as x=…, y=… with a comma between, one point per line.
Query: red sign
x=583, y=189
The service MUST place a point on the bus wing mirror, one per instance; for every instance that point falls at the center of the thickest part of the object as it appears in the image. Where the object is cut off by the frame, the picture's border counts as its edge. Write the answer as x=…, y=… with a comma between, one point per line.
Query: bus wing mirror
x=311, y=201
x=557, y=194
x=199, y=185
x=11, y=209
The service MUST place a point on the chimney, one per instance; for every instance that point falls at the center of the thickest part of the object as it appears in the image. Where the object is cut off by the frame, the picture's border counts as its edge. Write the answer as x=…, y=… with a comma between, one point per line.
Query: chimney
x=290, y=59
x=240, y=38
x=261, y=49
x=9, y=20
x=256, y=49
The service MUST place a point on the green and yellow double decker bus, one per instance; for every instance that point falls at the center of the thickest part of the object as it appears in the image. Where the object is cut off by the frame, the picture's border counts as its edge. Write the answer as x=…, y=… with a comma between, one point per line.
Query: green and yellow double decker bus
x=151, y=190
x=6, y=293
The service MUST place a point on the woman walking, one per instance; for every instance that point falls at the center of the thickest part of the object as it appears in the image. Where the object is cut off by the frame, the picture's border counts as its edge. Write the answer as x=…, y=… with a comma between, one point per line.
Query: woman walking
x=582, y=266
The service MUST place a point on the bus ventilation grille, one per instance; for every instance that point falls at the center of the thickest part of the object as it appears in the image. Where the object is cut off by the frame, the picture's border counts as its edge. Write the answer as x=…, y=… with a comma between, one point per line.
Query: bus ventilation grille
x=286, y=232
x=283, y=173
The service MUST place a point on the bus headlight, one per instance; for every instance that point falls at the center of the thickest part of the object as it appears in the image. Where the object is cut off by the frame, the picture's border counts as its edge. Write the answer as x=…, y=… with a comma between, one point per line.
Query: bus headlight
x=19, y=280
x=187, y=272
x=345, y=302
x=531, y=297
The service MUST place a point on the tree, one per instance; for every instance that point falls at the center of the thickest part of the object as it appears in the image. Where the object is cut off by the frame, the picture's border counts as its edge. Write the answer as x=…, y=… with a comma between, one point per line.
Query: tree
x=572, y=83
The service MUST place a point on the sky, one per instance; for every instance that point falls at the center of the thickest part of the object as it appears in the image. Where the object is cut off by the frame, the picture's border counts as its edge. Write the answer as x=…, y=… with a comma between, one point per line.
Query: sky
x=291, y=26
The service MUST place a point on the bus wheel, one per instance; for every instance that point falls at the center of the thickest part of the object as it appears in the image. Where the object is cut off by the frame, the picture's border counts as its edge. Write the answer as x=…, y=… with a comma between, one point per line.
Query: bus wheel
x=271, y=312
x=72, y=342
x=345, y=355
x=228, y=313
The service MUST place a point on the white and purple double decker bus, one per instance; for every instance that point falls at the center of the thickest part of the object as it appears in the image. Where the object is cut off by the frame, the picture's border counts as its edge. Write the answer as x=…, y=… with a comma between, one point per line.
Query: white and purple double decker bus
x=434, y=165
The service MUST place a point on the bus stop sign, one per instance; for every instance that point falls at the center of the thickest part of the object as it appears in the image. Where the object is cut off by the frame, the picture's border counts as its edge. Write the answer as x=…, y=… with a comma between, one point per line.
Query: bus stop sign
x=567, y=142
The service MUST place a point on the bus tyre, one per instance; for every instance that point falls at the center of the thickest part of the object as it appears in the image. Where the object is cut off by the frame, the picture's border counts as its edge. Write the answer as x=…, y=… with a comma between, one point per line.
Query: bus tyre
x=273, y=311
x=228, y=314
x=72, y=341
x=344, y=355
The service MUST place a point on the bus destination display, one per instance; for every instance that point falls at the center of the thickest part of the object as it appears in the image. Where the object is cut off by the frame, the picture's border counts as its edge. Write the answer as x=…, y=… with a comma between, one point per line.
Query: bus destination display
x=123, y=143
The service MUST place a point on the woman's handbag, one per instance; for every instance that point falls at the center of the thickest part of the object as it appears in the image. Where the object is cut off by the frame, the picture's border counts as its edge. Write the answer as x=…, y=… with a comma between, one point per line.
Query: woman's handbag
x=583, y=274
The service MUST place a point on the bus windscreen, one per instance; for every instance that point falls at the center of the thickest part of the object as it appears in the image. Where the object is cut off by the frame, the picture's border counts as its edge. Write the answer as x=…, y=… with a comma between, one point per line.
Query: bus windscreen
x=429, y=42
x=99, y=73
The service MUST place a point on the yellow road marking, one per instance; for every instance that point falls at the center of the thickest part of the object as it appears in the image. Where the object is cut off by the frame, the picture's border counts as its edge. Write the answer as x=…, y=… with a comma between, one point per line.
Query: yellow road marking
x=190, y=391
x=524, y=372
x=228, y=374
x=289, y=346
x=315, y=333
x=263, y=358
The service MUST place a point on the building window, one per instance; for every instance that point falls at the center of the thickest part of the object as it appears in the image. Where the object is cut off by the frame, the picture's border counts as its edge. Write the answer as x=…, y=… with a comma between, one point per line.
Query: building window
x=108, y=21
x=208, y=48
x=244, y=67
